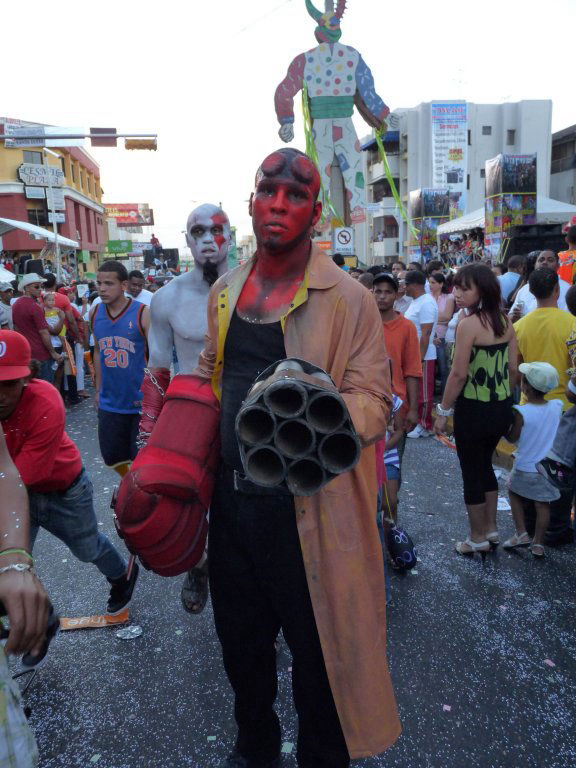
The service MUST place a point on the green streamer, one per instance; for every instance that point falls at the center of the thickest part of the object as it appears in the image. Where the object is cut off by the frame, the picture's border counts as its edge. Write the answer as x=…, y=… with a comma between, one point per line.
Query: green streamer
x=379, y=133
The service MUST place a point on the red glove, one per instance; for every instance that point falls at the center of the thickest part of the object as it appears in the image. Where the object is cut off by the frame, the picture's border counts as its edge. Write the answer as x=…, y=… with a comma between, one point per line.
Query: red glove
x=163, y=500
x=152, y=401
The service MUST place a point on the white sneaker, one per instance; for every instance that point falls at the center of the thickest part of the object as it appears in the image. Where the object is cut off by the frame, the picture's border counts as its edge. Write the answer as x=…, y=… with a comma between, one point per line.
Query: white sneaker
x=418, y=431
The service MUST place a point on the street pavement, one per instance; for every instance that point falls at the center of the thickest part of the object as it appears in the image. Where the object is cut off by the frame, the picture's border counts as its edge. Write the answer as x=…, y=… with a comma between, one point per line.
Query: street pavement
x=482, y=650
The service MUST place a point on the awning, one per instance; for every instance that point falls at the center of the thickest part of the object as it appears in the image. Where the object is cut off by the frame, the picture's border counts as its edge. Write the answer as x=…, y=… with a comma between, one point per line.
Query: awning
x=7, y=225
x=548, y=211
x=5, y=275
x=463, y=223
x=388, y=136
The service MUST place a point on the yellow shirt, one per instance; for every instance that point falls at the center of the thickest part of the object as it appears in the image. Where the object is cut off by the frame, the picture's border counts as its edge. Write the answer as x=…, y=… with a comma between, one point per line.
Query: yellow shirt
x=542, y=335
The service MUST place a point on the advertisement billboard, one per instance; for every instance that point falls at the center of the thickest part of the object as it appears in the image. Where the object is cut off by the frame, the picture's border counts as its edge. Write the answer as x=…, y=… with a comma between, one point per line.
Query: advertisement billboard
x=428, y=209
x=510, y=197
x=449, y=122
x=130, y=214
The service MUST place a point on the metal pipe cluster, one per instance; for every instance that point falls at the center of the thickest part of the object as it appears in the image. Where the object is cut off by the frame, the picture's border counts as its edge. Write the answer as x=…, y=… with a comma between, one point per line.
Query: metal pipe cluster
x=294, y=430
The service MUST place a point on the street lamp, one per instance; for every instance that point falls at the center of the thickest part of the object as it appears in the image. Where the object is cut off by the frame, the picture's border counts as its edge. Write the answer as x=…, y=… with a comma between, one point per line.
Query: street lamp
x=54, y=223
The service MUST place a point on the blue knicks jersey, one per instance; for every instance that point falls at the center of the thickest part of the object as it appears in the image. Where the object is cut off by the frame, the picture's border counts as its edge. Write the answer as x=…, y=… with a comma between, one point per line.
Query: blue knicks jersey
x=121, y=344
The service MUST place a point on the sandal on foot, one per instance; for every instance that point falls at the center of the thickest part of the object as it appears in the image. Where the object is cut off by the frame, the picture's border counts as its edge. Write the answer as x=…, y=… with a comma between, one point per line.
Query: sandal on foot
x=494, y=538
x=537, y=550
x=468, y=547
x=194, y=593
x=521, y=540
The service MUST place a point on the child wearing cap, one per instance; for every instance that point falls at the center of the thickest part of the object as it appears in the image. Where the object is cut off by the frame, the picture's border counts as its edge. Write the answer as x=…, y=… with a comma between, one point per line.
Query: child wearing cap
x=533, y=429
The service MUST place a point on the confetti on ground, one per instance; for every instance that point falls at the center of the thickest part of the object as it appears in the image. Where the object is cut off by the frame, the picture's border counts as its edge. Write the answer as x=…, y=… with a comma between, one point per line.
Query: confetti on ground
x=65, y=560
x=503, y=504
x=211, y=738
x=503, y=607
x=178, y=631
x=289, y=669
x=549, y=662
x=520, y=594
x=287, y=747
x=95, y=758
x=414, y=572
x=447, y=708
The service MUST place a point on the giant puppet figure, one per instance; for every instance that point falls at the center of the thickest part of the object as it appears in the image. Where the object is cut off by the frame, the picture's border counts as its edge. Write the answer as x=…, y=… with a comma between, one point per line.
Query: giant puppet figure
x=178, y=320
x=336, y=78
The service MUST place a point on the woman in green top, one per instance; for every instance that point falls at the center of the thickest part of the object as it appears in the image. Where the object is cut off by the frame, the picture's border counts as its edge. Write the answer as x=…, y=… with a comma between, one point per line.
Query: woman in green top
x=478, y=393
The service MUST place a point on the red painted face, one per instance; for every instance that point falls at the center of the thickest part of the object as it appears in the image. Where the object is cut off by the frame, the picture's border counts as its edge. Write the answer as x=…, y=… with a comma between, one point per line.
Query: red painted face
x=284, y=203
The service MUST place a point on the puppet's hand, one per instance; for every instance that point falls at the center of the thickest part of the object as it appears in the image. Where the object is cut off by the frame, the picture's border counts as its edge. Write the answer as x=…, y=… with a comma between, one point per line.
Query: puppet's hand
x=286, y=132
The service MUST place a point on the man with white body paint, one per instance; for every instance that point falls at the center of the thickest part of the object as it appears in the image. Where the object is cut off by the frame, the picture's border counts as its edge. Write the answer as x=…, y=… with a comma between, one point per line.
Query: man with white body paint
x=178, y=320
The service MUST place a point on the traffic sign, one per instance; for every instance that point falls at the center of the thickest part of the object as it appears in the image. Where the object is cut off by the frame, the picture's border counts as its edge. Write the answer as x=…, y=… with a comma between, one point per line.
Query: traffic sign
x=344, y=241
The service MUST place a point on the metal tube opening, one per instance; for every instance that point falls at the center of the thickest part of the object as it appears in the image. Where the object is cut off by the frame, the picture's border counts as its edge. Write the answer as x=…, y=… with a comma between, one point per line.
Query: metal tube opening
x=255, y=425
x=286, y=398
x=339, y=452
x=326, y=412
x=294, y=438
x=305, y=477
x=265, y=466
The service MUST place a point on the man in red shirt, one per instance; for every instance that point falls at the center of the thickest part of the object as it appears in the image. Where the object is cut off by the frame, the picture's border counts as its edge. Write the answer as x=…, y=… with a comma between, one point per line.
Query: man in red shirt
x=60, y=492
x=28, y=318
x=402, y=345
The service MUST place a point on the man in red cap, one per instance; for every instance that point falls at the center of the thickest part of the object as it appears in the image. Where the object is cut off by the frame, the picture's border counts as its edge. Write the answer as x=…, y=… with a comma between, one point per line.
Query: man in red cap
x=33, y=419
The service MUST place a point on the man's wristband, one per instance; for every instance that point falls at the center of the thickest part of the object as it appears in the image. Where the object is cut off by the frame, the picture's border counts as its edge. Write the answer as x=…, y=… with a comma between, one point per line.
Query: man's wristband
x=18, y=567
x=444, y=411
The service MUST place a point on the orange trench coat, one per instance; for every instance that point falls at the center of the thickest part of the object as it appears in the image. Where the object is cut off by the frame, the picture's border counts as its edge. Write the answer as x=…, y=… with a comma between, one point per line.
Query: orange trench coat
x=334, y=323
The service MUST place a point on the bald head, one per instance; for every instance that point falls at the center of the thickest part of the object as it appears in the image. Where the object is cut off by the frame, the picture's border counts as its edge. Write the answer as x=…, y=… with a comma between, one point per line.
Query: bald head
x=208, y=234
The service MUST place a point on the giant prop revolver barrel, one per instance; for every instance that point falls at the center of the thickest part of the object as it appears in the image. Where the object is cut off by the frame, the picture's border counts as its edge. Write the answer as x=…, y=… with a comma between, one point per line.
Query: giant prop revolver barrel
x=294, y=429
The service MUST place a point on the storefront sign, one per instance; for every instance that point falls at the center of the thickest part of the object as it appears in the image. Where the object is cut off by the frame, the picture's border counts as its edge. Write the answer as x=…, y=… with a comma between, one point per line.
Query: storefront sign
x=130, y=214
x=60, y=218
x=55, y=199
x=35, y=193
x=120, y=246
x=450, y=151
x=41, y=175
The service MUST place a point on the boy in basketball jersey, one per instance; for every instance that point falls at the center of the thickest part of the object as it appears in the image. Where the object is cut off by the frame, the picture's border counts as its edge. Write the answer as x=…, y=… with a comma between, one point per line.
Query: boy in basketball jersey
x=120, y=327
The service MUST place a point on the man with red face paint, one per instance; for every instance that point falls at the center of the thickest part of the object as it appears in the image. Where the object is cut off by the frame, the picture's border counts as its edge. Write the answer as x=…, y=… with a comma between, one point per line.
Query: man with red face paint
x=178, y=321
x=309, y=566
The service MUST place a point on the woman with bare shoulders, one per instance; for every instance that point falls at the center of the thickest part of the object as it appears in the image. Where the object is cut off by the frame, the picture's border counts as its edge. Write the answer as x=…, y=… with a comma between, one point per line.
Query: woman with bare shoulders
x=478, y=395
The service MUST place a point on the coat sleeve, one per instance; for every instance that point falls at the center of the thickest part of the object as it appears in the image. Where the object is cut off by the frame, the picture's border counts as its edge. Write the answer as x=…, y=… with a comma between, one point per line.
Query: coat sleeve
x=366, y=385
x=287, y=90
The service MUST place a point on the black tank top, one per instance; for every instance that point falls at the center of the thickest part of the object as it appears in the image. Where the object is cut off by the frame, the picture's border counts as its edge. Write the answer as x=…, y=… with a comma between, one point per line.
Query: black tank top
x=249, y=349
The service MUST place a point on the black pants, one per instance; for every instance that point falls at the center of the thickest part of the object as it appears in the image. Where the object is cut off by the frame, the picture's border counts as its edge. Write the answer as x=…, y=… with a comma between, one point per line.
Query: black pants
x=117, y=433
x=478, y=428
x=258, y=586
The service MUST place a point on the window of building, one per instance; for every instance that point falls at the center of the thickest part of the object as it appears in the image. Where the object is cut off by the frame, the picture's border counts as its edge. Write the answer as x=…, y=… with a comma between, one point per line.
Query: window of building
x=38, y=217
x=469, y=137
x=89, y=180
x=81, y=180
x=381, y=189
x=510, y=137
x=37, y=158
x=73, y=171
x=467, y=181
x=482, y=173
x=88, y=224
x=486, y=130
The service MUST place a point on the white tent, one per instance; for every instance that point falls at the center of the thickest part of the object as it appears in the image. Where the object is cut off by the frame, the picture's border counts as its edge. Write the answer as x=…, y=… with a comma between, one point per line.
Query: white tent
x=6, y=276
x=548, y=211
x=7, y=225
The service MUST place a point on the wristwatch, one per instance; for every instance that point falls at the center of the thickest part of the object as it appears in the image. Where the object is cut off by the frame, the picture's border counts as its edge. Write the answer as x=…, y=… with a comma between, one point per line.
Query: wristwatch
x=444, y=411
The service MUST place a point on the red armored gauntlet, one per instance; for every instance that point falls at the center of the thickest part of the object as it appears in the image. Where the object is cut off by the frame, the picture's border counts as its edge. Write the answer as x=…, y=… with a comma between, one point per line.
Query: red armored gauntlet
x=163, y=500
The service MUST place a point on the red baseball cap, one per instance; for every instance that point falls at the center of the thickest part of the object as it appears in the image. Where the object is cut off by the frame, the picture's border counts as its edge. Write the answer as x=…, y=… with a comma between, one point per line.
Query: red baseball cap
x=15, y=356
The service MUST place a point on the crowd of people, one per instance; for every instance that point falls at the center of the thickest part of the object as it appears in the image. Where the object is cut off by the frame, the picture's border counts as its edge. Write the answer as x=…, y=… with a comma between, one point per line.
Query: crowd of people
x=411, y=350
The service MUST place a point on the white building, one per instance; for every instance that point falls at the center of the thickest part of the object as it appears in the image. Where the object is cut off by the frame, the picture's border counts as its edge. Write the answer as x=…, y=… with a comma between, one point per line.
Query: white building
x=523, y=127
x=563, y=168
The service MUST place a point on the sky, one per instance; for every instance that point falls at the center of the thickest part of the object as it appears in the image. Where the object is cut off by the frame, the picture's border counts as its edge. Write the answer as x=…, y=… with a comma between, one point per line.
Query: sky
x=202, y=75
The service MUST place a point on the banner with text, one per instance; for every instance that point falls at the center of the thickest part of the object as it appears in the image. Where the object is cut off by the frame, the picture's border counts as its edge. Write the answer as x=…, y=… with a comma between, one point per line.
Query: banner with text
x=130, y=214
x=450, y=151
